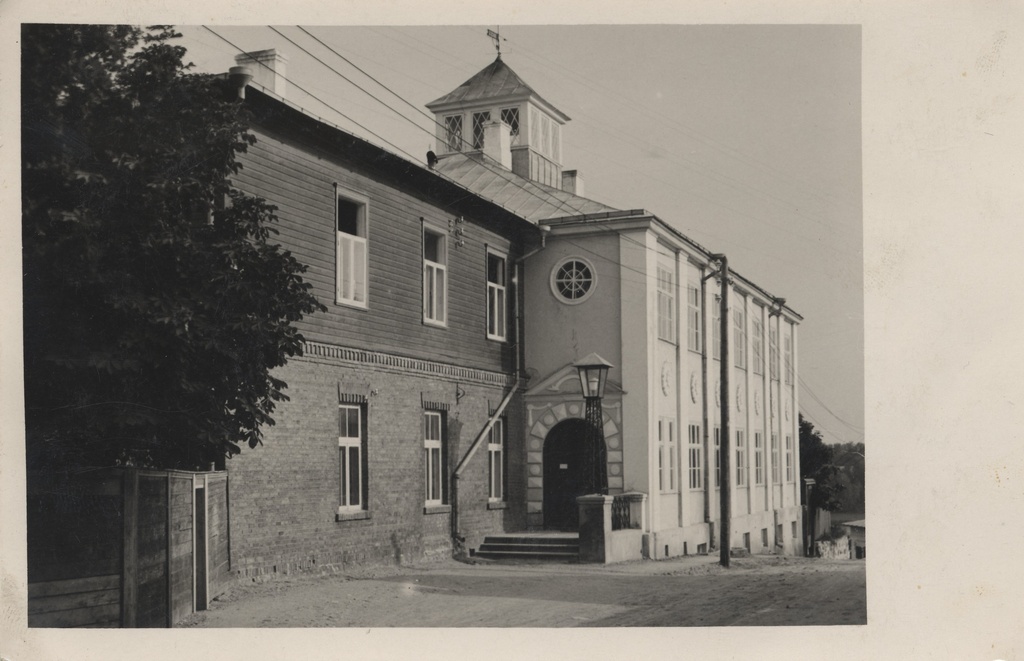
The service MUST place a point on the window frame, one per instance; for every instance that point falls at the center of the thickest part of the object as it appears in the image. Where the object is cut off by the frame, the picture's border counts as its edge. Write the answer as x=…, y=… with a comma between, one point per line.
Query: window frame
x=716, y=335
x=513, y=131
x=431, y=269
x=758, y=459
x=787, y=355
x=434, y=467
x=757, y=344
x=499, y=290
x=553, y=279
x=454, y=141
x=693, y=315
x=358, y=241
x=496, y=454
x=776, y=468
x=694, y=456
x=666, y=292
x=718, y=456
x=480, y=121
x=789, y=458
x=345, y=445
x=667, y=459
x=773, y=352
x=739, y=337
x=741, y=458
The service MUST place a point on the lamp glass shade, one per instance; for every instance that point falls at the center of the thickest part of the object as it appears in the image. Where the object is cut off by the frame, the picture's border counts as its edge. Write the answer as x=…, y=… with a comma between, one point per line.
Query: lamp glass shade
x=593, y=372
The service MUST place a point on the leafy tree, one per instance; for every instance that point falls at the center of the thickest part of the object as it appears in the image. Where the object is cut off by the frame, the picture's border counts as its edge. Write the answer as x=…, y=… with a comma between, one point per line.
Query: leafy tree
x=816, y=462
x=849, y=457
x=156, y=302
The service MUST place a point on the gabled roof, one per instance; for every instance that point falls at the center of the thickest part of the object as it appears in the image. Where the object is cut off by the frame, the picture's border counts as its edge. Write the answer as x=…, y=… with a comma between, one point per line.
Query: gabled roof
x=523, y=197
x=496, y=80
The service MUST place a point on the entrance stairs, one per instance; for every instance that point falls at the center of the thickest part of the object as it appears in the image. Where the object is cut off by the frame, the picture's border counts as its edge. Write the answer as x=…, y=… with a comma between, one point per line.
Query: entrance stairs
x=564, y=546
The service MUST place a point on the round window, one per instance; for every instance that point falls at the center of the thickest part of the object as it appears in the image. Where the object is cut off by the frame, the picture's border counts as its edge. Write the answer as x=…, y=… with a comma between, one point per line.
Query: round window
x=573, y=280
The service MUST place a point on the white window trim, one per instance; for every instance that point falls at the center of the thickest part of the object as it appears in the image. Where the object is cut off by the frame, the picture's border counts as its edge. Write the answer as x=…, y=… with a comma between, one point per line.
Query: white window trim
x=553, y=279
x=741, y=458
x=739, y=329
x=789, y=458
x=694, y=332
x=496, y=450
x=347, y=442
x=433, y=444
x=448, y=137
x=356, y=241
x=666, y=315
x=776, y=468
x=758, y=458
x=503, y=289
x=430, y=270
x=668, y=462
x=694, y=455
x=757, y=343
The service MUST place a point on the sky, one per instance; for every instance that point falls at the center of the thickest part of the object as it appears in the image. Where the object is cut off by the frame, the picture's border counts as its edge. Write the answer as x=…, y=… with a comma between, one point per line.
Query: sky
x=747, y=138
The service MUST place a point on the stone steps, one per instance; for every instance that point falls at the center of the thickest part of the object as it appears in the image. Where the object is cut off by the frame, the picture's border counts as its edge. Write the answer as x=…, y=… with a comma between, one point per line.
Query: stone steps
x=560, y=546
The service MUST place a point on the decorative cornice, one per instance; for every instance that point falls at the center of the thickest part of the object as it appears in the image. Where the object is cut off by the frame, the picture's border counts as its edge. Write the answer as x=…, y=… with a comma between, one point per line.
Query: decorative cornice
x=392, y=363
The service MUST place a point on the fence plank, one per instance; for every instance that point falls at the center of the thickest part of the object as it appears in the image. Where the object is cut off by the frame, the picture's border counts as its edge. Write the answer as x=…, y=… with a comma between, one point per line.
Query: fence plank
x=73, y=585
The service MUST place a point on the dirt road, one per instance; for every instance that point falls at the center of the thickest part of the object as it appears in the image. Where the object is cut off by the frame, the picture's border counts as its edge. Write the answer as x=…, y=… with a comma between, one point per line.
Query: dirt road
x=681, y=592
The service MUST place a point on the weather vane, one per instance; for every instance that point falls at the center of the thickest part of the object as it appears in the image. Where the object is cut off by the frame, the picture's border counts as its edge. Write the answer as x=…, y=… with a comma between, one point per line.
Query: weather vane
x=496, y=36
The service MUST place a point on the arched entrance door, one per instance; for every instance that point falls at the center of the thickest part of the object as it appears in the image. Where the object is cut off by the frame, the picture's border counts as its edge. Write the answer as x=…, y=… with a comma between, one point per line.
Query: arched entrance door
x=564, y=451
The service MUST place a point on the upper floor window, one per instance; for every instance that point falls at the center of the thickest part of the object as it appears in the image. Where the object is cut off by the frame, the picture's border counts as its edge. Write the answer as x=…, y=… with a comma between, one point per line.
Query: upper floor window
x=511, y=117
x=573, y=280
x=716, y=331
x=787, y=352
x=693, y=318
x=739, y=323
x=496, y=305
x=480, y=119
x=773, y=353
x=434, y=458
x=757, y=344
x=435, y=278
x=350, y=250
x=496, y=461
x=453, y=132
x=666, y=305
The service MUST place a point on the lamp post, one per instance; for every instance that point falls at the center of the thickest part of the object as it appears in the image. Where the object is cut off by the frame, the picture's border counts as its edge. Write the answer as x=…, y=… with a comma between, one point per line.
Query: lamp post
x=593, y=371
x=808, y=516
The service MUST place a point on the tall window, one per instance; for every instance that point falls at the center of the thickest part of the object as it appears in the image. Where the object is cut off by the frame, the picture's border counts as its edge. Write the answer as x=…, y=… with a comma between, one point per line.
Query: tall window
x=435, y=272
x=716, y=331
x=789, y=458
x=511, y=117
x=739, y=324
x=787, y=353
x=758, y=458
x=718, y=457
x=666, y=455
x=693, y=318
x=351, y=458
x=350, y=250
x=666, y=305
x=775, y=458
x=433, y=458
x=453, y=132
x=496, y=306
x=773, y=353
x=756, y=344
x=741, y=458
x=496, y=461
x=479, y=120
x=696, y=472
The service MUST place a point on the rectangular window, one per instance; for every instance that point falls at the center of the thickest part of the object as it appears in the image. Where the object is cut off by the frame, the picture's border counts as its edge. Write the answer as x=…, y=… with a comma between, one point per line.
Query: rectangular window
x=758, y=458
x=496, y=461
x=479, y=120
x=757, y=345
x=716, y=331
x=696, y=472
x=693, y=318
x=511, y=117
x=789, y=458
x=350, y=251
x=775, y=458
x=666, y=455
x=666, y=305
x=434, y=458
x=496, y=306
x=739, y=341
x=435, y=272
x=773, y=353
x=741, y=458
x=453, y=132
x=787, y=353
x=718, y=457
x=351, y=457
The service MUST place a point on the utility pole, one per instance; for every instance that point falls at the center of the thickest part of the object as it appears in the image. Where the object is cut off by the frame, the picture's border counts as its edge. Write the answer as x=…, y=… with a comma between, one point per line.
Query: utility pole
x=725, y=519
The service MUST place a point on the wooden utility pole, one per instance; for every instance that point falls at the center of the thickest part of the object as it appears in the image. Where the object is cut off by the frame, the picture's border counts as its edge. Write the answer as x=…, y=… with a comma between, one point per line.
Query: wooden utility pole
x=725, y=520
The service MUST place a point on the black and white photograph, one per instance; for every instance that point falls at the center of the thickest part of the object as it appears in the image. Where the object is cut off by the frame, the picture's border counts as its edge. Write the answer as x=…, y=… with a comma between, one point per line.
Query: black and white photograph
x=374, y=327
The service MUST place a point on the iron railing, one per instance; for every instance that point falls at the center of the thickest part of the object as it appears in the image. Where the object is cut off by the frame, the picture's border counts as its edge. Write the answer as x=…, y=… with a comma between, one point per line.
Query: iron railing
x=621, y=513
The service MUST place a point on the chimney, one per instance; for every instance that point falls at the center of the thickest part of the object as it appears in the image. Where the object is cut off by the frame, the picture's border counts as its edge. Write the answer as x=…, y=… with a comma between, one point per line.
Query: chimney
x=572, y=182
x=268, y=69
x=498, y=143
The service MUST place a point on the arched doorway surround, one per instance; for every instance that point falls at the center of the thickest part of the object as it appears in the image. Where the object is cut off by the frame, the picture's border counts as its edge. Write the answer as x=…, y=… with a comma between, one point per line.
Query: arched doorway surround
x=564, y=473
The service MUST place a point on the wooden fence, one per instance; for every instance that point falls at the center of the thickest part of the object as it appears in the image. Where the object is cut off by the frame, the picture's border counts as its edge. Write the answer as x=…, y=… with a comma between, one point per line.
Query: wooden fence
x=125, y=547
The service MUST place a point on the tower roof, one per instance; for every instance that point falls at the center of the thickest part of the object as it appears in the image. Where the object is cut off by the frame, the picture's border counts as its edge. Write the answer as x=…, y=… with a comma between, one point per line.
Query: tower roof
x=496, y=80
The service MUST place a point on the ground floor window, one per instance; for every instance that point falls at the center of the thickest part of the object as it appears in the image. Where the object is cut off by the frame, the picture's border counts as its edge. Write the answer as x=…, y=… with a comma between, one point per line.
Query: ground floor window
x=758, y=459
x=351, y=458
x=775, y=458
x=666, y=455
x=694, y=451
x=718, y=457
x=433, y=458
x=496, y=461
x=741, y=458
x=789, y=458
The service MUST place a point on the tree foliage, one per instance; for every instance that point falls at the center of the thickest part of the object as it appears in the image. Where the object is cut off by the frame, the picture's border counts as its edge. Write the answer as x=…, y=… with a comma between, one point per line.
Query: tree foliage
x=816, y=461
x=156, y=301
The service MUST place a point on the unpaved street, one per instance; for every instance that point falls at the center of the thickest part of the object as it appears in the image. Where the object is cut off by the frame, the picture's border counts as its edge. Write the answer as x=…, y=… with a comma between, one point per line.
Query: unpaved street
x=682, y=592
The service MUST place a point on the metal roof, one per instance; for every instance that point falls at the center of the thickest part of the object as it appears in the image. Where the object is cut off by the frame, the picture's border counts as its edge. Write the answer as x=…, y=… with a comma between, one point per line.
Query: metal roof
x=496, y=80
x=523, y=197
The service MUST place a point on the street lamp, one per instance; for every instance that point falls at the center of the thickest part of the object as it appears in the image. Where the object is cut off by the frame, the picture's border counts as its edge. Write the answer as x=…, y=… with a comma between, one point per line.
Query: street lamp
x=593, y=371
